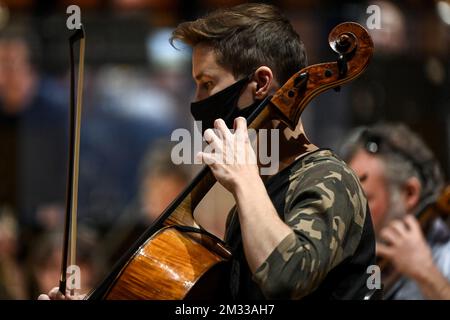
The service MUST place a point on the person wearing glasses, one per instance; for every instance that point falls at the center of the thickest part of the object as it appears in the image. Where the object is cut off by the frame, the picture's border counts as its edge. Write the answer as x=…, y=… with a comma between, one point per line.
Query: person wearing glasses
x=399, y=175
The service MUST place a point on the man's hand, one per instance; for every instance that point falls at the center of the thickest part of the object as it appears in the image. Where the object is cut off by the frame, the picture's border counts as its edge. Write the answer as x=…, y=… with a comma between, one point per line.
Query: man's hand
x=405, y=247
x=408, y=251
x=55, y=294
x=233, y=162
x=230, y=155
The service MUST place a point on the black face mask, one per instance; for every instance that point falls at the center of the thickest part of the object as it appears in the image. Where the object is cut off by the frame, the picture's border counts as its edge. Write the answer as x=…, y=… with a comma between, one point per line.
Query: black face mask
x=222, y=104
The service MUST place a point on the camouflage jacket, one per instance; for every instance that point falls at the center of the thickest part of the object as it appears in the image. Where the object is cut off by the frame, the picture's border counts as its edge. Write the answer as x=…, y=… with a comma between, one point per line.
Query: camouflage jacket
x=332, y=245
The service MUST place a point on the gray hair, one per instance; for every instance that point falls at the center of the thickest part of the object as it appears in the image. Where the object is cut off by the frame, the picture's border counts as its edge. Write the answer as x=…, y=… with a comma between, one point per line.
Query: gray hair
x=403, y=152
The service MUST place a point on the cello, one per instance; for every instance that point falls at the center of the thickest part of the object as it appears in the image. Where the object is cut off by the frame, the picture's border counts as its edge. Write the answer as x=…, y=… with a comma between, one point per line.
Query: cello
x=175, y=258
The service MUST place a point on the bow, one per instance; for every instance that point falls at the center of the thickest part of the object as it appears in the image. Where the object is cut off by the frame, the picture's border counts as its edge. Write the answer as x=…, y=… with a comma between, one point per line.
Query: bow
x=70, y=225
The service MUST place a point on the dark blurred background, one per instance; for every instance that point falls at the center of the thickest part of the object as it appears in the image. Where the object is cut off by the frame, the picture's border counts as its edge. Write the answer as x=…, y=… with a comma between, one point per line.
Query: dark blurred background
x=137, y=91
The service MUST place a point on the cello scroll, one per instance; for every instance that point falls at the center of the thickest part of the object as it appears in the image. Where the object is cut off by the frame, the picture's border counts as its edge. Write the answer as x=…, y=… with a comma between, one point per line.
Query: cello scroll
x=355, y=47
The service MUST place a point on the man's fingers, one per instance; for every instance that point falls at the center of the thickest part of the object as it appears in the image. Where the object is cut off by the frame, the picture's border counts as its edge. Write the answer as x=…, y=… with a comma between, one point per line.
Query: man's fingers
x=240, y=124
x=211, y=137
x=399, y=227
x=206, y=158
x=222, y=128
x=55, y=294
x=383, y=250
x=412, y=223
x=388, y=235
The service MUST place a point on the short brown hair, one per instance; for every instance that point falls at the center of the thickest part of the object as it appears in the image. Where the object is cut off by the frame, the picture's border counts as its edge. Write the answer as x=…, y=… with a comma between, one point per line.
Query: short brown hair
x=245, y=37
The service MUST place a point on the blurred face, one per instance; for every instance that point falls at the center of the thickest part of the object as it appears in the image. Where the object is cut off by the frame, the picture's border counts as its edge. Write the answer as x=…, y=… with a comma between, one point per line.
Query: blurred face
x=47, y=273
x=16, y=75
x=8, y=238
x=158, y=192
x=371, y=172
x=50, y=270
x=211, y=78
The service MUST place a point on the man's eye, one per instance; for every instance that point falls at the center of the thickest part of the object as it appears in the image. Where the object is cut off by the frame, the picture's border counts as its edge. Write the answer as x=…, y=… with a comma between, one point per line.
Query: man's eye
x=207, y=85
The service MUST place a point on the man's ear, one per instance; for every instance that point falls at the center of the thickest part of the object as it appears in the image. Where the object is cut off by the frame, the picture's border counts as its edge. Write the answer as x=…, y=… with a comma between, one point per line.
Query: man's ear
x=411, y=193
x=265, y=82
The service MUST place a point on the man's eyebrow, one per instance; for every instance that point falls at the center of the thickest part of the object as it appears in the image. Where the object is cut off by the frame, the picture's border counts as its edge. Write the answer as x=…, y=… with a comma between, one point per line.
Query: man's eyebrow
x=201, y=75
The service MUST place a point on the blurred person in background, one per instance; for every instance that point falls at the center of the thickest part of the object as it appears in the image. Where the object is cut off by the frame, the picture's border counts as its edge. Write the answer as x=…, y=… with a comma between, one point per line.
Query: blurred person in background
x=123, y=117
x=399, y=175
x=44, y=261
x=12, y=281
x=161, y=181
x=33, y=127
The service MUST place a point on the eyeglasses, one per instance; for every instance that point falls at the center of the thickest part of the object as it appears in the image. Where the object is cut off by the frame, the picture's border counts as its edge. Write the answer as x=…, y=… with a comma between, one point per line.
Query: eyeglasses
x=375, y=143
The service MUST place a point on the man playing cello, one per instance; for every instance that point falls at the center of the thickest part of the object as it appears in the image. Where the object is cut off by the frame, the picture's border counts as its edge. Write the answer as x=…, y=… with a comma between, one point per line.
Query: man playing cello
x=305, y=232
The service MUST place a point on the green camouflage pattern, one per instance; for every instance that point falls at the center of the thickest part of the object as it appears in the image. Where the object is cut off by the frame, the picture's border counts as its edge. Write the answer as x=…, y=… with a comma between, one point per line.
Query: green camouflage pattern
x=326, y=208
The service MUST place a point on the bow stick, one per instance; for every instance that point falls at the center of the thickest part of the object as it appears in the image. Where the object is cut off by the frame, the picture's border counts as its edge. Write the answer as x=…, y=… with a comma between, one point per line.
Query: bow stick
x=70, y=227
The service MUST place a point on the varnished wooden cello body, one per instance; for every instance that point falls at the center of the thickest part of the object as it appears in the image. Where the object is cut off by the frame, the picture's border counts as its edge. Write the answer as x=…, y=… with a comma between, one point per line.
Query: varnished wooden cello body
x=176, y=258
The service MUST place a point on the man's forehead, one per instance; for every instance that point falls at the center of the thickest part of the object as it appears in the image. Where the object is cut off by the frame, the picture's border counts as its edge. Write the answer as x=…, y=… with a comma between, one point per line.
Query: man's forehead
x=204, y=50
x=204, y=62
x=367, y=166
